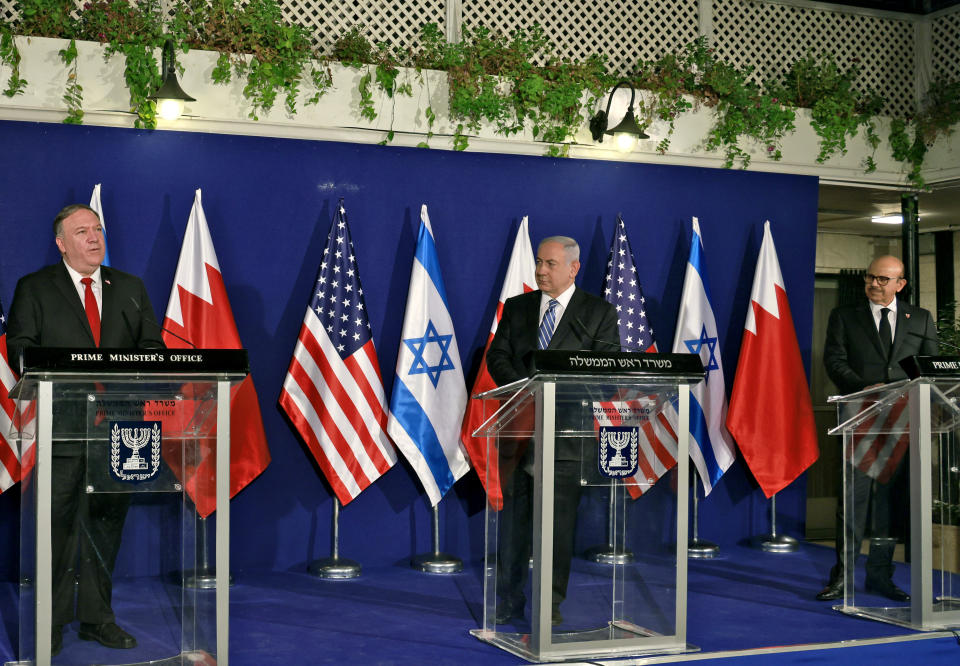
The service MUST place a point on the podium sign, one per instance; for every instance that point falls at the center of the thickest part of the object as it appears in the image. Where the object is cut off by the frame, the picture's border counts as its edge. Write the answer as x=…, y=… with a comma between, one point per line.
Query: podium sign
x=564, y=452
x=896, y=435
x=137, y=441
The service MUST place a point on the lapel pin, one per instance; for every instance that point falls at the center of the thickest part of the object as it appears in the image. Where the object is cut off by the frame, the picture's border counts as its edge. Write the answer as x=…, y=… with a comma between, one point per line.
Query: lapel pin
x=108, y=282
x=906, y=314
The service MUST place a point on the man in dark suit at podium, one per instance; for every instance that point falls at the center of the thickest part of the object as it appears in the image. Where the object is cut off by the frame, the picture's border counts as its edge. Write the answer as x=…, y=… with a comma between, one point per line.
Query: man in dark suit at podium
x=864, y=346
x=79, y=303
x=557, y=316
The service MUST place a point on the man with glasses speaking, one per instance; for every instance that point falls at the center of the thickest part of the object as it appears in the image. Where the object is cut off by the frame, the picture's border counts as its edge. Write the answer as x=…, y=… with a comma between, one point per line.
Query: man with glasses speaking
x=864, y=346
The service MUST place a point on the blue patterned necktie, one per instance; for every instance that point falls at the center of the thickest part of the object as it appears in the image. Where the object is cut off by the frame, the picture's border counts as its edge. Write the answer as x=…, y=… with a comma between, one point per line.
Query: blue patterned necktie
x=548, y=324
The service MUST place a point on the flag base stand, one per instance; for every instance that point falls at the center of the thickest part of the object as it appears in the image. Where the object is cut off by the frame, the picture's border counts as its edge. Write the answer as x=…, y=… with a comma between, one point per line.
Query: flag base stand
x=202, y=580
x=699, y=549
x=204, y=577
x=608, y=555
x=777, y=543
x=437, y=563
x=774, y=542
x=334, y=568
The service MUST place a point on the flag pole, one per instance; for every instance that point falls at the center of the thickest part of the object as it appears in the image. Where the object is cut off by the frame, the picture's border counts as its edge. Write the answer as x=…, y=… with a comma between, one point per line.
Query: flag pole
x=334, y=567
x=204, y=577
x=437, y=562
x=610, y=553
x=773, y=542
x=697, y=548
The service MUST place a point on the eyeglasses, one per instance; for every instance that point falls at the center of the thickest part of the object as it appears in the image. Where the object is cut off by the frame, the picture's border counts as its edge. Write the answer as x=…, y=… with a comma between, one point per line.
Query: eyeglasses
x=882, y=280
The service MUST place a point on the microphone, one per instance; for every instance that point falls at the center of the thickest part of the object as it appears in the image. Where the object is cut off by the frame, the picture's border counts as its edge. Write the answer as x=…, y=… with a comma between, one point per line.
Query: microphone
x=939, y=342
x=162, y=329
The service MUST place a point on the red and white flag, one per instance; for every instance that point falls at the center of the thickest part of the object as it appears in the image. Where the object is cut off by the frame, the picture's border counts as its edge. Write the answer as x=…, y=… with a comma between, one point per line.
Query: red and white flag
x=199, y=312
x=9, y=455
x=520, y=279
x=771, y=414
x=333, y=392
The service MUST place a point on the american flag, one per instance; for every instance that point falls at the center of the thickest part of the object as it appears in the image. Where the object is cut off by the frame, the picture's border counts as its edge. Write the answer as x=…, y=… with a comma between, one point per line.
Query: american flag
x=333, y=392
x=879, y=443
x=9, y=456
x=658, y=447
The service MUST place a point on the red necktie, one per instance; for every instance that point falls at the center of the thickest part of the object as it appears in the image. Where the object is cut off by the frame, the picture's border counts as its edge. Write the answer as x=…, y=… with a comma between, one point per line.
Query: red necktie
x=90, y=305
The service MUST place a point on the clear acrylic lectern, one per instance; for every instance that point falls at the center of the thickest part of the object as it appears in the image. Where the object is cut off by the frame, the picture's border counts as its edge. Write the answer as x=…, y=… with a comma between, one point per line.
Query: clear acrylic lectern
x=592, y=447
x=140, y=433
x=900, y=433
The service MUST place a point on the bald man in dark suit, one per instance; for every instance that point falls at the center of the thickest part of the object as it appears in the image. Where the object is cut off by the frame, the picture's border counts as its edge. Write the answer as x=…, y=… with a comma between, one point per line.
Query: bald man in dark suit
x=79, y=303
x=578, y=320
x=864, y=346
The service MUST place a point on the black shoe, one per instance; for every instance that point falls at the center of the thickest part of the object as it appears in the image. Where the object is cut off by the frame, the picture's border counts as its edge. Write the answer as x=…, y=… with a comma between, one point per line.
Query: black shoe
x=833, y=590
x=108, y=635
x=555, y=617
x=507, y=611
x=56, y=640
x=887, y=589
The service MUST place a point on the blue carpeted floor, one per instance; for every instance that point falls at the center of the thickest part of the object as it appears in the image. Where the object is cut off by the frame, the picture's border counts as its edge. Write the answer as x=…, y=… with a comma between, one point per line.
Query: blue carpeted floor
x=744, y=599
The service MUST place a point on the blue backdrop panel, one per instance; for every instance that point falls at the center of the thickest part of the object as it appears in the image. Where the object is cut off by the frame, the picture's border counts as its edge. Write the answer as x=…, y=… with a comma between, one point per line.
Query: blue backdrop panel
x=269, y=203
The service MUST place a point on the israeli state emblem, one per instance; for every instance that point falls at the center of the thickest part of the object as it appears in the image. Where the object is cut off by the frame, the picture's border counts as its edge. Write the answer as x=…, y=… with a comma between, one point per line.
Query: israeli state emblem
x=619, y=449
x=134, y=450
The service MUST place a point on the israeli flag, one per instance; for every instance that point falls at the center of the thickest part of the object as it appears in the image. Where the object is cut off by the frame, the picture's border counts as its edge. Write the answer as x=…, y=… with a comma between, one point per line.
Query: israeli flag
x=429, y=394
x=697, y=334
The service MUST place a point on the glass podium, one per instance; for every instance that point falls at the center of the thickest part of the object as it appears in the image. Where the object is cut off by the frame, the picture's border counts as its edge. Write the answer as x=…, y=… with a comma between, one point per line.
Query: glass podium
x=896, y=436
x=580, y=454
x=115, y=444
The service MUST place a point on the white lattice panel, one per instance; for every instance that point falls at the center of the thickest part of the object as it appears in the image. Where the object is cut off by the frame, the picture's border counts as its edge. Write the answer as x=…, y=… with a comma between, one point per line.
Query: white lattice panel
x=945, y=38
x=771, y=36
x=6, y=9
x=626, y=31
x=396, y=22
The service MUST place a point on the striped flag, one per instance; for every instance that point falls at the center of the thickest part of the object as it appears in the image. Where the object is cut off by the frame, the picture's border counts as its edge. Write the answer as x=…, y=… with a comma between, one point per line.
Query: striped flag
x=658, y=446
x=879, y=443
x=199, y=312
x=97, y=206
x=429, y=395
x=520, y=278
x=9, y=455
x=712, y=451
x=333, y=392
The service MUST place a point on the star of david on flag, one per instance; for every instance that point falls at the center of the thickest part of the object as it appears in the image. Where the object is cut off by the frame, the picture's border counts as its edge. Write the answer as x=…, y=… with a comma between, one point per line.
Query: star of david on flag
x=421, y=347
x=429, y=394
x=696, y=346
x=712, y=450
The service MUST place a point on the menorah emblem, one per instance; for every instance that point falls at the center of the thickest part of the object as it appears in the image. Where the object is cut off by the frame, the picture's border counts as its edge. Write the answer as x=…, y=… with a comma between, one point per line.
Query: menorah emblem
x=135, y=439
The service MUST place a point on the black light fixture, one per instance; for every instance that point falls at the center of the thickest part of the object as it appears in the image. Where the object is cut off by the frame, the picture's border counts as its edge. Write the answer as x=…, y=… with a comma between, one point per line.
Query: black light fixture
x=627, y=133
x=170, y=96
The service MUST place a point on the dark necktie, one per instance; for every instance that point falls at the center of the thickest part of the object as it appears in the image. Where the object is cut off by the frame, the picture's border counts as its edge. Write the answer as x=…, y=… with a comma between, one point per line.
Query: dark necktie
x=548, y=324
x=90, y=305
x=886, y=336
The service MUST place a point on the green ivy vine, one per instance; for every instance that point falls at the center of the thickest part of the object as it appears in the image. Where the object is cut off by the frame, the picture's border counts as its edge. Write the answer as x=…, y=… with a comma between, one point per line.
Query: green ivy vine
x=510, y=82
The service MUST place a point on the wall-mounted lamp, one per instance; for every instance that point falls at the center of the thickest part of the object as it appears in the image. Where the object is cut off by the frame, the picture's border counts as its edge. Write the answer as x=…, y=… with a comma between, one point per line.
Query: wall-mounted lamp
x=170, y=96
x=627, y=133
x=887, y=219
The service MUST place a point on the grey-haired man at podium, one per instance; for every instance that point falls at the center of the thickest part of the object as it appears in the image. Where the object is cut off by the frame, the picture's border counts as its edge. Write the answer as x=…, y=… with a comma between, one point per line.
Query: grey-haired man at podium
x=557, y=316
x=79, y=303
x=864, y=346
